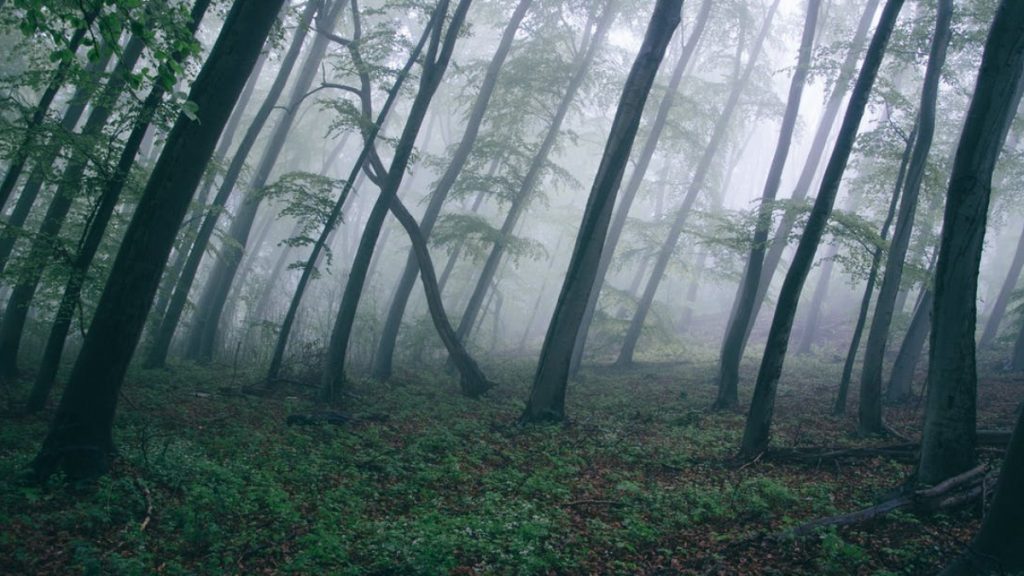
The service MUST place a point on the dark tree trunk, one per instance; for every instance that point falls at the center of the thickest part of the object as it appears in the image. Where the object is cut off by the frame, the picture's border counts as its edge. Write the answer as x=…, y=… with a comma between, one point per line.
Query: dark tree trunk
x=584, y=59
x=284, y=333
x=810, y=332
x=902, y=378
x=636, y=179
x=436, y=61
x=995, y=316
x=949, y=441
x=80, y=437
x=1017, y=358
x=95, y=232
x=839, y=407
x=389, y=335
x=36, y=179
x=700, y=175
x=20, y=155
x=156, y=355
x=870, y=408
x=202, y=336
x=547, y=397
x=781, y=240
x=47, y=238
x=758, y=427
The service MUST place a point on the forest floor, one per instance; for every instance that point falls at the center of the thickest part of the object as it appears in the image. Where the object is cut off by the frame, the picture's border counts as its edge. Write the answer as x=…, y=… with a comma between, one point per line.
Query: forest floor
x=423, y=481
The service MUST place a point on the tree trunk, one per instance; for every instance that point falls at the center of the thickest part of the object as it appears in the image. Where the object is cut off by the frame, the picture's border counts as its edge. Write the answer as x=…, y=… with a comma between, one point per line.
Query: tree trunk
x=696, y=186
x=47, y=239
x=809, y=334
x=1003, y=300
x=584, y=59
x=80, y=437
x=781, y=240
x=203, y=333
x=948, y=441
x=870, y=408
x=96, y=230
x=636, y=179
x=20, y=156
x=902, y=377
x=839, y=407
x=757, y=432
x=547, y=397
x=435, y=64
x=156, y=355
x=389, y=335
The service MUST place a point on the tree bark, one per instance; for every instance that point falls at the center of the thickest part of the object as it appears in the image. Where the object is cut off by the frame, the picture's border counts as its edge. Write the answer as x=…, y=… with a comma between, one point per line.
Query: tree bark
x=547, y=397
x=156, y=355
x=436, y=62
x=948, y=444
x=696, y=186
x=870, y=408
x=393, y=323
x=995, y=317
x=96, y=230
x=80, y=437
x=757, y=431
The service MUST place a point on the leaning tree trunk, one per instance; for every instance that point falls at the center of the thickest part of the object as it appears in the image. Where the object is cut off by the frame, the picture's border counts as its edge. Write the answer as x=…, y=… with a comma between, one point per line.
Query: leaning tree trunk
x=389, y=334
x=948, y=442
x=583, y=61
x=156, y=355
x=700, y=175
x=436, y=62
x=902, y=377
x=80, y=437
x=817, y=150
x=636, y=178
x=547, y=397
x=757, y=432
x=810, y=332
x=1003, y=300
x=839, y=407
x=203, y=333
x=24, y=148
x=870, y=408
x=47, y=239
x=97, y=228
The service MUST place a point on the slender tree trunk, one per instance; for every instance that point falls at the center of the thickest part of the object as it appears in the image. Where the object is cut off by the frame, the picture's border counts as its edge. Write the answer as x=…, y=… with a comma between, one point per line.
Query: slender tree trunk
x=817, y=150
x=584, y=59
x=903, y=369
x=284, y=333
x=870, y=408
x=618, y=223
x=96, y=230
x=810, y=332
x=540, y=296
x=757, y=432
x=1003, y=300
x=453, y=257
x=436, y=62
x=948, y=442
x=700, y=175
x=21, y=154
x=839, y=407
x=203, y=333
x=389, y=335
x=547, y=397
x=1017, y=358
x=47, y=238
x=80, y=437
x=156, y=355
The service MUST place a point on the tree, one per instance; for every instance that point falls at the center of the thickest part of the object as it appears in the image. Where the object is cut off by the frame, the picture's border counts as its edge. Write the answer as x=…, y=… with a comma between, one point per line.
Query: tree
x=547, y=396
x=870, y=407
x=80, y=440
x=732, y=346
x=756, y=433
x=393, y=323
x=995, y=316
x=948, y=442
x=435, y=63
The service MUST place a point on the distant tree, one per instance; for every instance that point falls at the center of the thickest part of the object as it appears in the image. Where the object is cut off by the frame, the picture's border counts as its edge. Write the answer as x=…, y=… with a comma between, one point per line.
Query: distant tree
x=547, y=396
x=757, y=431
x=995, y=316
x=80, y=438
x=948, y=443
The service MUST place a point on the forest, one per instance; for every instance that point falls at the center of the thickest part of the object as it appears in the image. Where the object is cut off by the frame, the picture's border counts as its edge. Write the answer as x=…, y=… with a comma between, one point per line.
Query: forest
x=390, y=287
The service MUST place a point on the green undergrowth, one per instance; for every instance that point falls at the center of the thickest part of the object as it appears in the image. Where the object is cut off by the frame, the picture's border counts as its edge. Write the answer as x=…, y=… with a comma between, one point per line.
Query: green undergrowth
x=424, y=481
